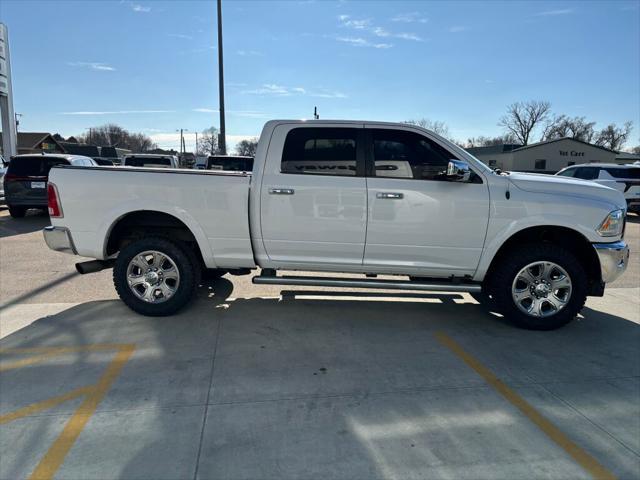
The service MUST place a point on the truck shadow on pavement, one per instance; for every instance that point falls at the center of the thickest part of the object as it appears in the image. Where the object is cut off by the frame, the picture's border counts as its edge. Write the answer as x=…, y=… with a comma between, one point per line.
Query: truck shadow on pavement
x=33, y=221
x=354, y=385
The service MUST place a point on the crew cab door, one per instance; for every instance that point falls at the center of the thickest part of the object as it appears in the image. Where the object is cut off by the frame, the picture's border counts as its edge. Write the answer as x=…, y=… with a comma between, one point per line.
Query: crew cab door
x=419, y=221
x=313, y=200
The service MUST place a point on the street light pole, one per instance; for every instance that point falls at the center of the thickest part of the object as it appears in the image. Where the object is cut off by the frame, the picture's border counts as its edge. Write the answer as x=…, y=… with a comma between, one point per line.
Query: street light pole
x=222, y=144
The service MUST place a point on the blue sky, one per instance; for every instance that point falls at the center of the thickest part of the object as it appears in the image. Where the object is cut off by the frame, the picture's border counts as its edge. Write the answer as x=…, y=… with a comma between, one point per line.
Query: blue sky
x=151, y=66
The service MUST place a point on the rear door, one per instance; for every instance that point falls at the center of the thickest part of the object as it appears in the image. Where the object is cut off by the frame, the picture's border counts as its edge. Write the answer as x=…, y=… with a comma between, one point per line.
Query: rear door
x=313, y=202
x=26, y=179
x=419, y=221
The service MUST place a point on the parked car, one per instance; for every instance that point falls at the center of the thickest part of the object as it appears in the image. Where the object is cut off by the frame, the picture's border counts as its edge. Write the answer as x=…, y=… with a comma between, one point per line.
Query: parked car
x=150, y=160
x=3, y=170
x=317, y=201
x=201, y=163
x=25, y=182
x=625, y=178
x=230, y=163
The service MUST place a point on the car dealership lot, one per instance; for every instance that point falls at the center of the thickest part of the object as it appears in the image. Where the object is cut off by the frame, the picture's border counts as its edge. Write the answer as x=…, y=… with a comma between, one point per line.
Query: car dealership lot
x=265, y=382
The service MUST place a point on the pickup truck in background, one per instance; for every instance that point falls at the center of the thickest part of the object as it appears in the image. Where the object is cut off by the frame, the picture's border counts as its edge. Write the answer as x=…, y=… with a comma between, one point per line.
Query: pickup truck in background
x=361, y=198
x=150, y=160
x=625, y=178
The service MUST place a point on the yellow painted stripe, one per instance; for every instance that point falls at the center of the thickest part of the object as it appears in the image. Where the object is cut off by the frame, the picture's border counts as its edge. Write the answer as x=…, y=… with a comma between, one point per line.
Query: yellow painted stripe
x=44, y=405
x=586, y=461
x=56, y=454
x=44, y=353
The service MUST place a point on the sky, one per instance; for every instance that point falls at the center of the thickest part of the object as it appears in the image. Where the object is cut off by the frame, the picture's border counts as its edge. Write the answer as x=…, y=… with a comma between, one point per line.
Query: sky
x=151, y=66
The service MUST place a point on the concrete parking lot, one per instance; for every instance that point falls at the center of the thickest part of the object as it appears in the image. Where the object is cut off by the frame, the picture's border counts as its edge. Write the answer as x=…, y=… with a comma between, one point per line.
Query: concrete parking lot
x=254, y=382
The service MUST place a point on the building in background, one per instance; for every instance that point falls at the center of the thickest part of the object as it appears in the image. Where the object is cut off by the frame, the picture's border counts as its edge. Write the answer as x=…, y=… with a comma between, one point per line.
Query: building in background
x=543, y=157
x=37, y=142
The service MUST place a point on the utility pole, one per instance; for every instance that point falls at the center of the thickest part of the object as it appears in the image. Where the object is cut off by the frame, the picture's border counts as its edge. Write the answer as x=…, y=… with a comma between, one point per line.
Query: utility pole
x=196, y=152
x=222, y=144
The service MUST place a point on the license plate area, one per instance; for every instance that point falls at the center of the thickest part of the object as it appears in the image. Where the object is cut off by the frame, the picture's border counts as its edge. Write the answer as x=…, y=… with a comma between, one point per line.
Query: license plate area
x=38, y=184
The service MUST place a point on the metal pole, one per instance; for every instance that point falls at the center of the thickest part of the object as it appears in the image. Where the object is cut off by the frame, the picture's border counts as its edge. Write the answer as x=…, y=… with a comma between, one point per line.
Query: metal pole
x=222, y=144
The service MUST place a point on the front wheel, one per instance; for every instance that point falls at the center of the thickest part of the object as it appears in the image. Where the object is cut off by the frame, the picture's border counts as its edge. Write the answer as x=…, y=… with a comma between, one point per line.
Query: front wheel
x=539, y=287
x=155, y=276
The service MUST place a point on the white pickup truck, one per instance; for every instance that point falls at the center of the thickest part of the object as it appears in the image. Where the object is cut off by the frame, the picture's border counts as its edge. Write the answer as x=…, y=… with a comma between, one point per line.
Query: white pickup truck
x=363, y=198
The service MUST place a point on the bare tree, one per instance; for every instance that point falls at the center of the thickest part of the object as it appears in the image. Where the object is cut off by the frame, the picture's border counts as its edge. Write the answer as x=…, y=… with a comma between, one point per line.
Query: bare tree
x=436, y=126
x=614, y=137
x=112, y=135
x=636, y=150
x=208, y=142
x=247, y=147
x=522, y=118
x=482, y=141
x=563, y=126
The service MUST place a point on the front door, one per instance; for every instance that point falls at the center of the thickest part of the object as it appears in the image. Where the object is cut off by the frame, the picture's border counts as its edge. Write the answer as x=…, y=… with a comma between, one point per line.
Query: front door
x=419, y=221
x=314, y=197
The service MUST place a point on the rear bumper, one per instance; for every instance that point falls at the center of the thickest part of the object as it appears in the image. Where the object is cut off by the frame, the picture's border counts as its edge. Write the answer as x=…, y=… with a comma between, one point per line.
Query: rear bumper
x=614, y=258
x=59, y=239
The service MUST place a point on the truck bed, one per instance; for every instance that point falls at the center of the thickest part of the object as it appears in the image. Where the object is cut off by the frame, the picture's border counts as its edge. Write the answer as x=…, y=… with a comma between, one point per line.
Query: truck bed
x=213, y=204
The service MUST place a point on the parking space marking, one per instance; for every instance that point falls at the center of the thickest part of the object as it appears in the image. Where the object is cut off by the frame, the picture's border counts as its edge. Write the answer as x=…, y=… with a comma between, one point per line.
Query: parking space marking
x=93, y=394
x=586, y=461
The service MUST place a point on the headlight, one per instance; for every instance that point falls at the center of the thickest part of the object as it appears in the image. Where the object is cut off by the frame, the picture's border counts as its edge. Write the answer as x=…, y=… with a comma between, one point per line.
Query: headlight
x=612, y=225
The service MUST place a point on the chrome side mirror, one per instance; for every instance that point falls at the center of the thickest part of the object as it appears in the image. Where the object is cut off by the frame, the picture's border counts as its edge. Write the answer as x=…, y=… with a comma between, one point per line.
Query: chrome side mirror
x=458, y=171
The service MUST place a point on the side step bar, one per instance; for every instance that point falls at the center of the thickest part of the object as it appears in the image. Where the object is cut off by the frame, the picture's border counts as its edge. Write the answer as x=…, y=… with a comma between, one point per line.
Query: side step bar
x=366, y=283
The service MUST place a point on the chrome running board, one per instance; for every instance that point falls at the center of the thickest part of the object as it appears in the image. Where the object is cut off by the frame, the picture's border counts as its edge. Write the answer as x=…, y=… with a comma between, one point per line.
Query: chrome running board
x=444, y=286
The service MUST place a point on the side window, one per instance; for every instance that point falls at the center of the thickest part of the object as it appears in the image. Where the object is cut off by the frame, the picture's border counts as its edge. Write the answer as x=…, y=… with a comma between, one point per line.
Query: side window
x=587, y=173
x=541, y=164
x=320, y=151
x=401, y=154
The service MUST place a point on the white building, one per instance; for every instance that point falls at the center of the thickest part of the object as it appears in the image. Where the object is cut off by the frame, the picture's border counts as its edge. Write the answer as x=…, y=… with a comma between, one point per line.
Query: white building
x=543, y=157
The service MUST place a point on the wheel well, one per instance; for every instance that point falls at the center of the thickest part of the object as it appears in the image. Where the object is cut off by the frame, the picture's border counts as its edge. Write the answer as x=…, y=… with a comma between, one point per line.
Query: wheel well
x=143, y=223
x=561, y=236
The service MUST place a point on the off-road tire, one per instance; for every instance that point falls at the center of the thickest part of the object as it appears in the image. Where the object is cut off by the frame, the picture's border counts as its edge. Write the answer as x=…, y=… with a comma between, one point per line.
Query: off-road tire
x=186, y=263
x=17, y=212
x=503, y=275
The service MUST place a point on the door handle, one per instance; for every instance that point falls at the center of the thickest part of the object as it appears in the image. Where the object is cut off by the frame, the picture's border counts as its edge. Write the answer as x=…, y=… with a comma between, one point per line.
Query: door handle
x=281, y=191
x=389, y=195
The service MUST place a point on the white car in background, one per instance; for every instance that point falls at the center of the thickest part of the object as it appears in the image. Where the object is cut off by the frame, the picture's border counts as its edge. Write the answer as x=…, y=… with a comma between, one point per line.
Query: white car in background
x=3, y=170
x=624, y=178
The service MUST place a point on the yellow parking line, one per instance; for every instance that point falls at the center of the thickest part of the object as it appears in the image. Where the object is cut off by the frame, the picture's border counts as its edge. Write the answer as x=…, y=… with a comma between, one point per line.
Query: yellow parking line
x=44, y=405
x=45, y=353
x=56, y=454
x=586, y=461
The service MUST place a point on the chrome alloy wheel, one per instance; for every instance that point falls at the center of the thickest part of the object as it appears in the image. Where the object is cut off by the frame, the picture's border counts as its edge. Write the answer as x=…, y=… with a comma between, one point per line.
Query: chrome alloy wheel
x=541, y=289
x=153, y=276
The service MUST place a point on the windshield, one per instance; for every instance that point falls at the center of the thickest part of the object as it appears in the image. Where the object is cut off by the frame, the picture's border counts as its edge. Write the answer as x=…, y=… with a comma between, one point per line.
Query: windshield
x=147, y=162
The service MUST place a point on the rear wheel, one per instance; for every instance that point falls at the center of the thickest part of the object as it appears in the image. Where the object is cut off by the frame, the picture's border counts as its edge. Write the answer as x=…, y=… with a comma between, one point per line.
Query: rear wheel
x=17, y=212
x=155, y=276
x=539, y=287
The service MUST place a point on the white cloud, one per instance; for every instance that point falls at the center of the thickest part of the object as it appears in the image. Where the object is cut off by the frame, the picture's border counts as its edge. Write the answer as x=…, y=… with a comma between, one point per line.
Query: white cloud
x=206, y=110
x=457, y=29
x=115, y=112
x=322, y=93
x=546, y=13
x=136, y=7
x=285, y=91
x=248, y=53
x=269, y=89
x=180, y=35
x=412, y=17
x=365, y=25
x=361, y=42
x=98, y=66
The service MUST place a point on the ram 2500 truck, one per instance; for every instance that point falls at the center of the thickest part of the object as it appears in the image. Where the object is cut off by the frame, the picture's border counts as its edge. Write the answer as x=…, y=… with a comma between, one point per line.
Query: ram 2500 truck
x=362, y=198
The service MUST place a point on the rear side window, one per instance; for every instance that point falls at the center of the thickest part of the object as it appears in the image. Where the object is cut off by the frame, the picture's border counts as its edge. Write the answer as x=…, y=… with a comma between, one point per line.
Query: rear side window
x=624, y=172
x=36, y=166
x=402, y=154
x=320, y=151
x=568, y=173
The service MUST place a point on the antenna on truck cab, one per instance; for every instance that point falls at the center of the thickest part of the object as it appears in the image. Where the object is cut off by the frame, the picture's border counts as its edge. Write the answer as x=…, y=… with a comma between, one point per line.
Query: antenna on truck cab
x=315, y=113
